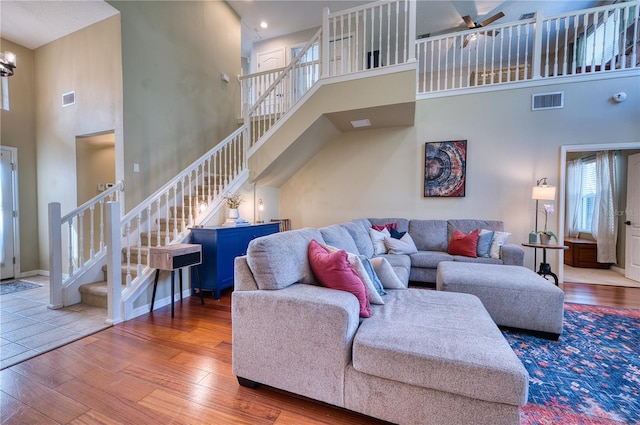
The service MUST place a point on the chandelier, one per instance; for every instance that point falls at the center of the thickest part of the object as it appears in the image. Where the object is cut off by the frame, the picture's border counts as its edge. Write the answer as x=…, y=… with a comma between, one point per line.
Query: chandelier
x=7, y=64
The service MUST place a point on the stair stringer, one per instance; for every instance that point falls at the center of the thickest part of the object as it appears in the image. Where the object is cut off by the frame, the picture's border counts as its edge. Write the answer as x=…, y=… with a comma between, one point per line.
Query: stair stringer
x=90, y=274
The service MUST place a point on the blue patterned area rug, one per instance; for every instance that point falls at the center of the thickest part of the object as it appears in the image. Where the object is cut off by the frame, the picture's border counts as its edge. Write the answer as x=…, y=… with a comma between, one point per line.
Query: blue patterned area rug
x=590, y=376
x=17, y=286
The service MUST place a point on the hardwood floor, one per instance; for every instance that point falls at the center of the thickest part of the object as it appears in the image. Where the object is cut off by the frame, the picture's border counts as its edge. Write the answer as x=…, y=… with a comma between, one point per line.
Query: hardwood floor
x=158, y=370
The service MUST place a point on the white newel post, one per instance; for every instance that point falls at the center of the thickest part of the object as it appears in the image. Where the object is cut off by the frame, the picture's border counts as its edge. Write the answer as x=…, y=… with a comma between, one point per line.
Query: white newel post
x=114, y=261
x=536, y=69
x=324, y=52
x=55, y=257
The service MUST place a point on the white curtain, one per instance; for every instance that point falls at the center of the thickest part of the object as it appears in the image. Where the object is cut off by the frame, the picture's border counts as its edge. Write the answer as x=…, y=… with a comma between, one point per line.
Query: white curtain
x=604, y=225
x=574, y=197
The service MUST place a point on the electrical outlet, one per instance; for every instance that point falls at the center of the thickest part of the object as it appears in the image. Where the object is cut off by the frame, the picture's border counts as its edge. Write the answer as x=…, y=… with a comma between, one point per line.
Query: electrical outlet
x=136, y=167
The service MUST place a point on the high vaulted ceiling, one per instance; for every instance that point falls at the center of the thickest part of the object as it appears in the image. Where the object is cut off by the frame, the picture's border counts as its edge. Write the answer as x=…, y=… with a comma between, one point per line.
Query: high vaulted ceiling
x=35, y=23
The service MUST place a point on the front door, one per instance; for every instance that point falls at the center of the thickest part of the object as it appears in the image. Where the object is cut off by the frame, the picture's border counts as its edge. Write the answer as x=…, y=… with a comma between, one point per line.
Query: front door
x=632, y=247
x=7, y=177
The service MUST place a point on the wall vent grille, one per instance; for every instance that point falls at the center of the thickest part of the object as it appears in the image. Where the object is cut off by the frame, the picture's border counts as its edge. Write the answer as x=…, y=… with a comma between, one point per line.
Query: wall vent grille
x=542, y=101
x=69, y=98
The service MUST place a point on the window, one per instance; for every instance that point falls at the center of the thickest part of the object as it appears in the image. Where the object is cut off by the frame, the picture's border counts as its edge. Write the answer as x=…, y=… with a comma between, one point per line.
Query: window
x=587, y=202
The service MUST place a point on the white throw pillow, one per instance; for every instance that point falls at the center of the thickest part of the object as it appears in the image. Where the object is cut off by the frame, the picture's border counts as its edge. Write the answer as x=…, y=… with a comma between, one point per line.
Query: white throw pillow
x=385, y=273
x=377, y=237
x=499, y=238
x=356, y=263
x=404, y=245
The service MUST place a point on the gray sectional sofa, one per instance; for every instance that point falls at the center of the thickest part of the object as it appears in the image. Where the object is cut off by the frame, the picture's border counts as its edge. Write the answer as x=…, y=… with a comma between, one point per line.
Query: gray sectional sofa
x=431, y=238
x=423, y=357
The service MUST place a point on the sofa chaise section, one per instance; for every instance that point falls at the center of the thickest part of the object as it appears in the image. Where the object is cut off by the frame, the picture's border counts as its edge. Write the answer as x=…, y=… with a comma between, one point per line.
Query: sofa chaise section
x=423, y=357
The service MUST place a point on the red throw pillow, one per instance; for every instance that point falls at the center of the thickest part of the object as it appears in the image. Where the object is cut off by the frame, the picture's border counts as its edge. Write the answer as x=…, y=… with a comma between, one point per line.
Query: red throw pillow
x=381, y=227
x=466, y=245
x=333, y=270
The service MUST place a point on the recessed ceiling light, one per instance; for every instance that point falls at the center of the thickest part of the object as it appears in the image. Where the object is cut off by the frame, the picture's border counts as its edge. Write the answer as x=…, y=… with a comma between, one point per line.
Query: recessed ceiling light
x=361, y=123
x=263, y=25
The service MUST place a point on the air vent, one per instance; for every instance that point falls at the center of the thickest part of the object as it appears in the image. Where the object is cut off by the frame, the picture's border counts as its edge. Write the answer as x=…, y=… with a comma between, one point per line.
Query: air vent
x=547, y=101
x=69, y=98
x=527, y=15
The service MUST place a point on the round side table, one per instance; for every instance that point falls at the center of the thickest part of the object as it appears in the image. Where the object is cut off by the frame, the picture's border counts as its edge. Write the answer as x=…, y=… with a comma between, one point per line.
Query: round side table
x=545, y=268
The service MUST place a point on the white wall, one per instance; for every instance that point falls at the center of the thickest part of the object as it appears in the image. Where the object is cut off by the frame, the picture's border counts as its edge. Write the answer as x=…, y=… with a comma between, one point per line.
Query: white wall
x=379, y=173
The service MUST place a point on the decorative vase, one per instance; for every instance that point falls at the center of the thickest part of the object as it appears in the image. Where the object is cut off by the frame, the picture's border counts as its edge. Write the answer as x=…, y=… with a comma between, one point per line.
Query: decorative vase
x=545, y=239
x=233, y=213
x=533, y=237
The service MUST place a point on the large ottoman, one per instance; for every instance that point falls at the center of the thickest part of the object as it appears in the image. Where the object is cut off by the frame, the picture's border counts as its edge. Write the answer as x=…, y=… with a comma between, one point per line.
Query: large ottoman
x=514, y=296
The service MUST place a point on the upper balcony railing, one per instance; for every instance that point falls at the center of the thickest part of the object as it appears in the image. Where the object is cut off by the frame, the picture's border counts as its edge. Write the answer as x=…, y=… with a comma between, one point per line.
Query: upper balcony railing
x=590, y=41
x=350, y=41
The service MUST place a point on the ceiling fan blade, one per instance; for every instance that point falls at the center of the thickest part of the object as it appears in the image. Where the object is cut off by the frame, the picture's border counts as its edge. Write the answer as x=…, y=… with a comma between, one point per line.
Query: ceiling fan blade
x=492, y=33
x=465, y=42
x=491, y=19
x=467, y=20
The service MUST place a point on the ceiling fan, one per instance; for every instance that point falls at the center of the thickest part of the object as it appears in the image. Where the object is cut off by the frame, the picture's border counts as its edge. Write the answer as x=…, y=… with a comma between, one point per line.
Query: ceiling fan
x=473, y=25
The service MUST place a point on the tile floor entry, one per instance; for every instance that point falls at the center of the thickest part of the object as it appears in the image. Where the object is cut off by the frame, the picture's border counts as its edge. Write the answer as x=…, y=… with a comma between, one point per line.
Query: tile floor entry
x=28, y=328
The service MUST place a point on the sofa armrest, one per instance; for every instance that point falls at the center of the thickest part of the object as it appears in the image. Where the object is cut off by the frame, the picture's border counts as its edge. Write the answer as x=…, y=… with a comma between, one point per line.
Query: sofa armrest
x=512, y=255
x=297, y=339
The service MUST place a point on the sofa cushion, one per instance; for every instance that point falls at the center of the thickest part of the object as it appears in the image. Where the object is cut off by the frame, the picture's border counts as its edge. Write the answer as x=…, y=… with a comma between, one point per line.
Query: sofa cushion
x=395, y=234
x=429, y=235
x=467, y=225
x=464, y=243
x=403, y=245
x=499, y=239
x=362, y=272
x=373, y=276
x=429, y=259
x=280, y=259
x=449, y=344
x=386, y=274
x=359, y=231
x=484, y=243
x=402, y=224
x=481, y=260
x=377, y=239
x=387, y=226
x=338, y=236
x=401, y=264
x=333, y=270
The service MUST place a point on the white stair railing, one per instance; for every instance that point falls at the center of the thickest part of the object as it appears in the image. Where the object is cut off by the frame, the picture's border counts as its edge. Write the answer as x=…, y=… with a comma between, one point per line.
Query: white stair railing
x=252, y=86
x=590, y=41
x=163, y=218
x=166, y=216
x=77, y=240
x=290, y=85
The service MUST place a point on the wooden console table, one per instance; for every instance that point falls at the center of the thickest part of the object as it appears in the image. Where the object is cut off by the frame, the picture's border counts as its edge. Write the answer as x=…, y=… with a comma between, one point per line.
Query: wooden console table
x=545, y=268
x=172, y=258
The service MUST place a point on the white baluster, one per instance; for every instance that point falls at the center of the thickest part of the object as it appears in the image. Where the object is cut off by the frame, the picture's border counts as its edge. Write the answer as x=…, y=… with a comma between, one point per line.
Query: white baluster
x=102, y=207
x=81, y=239
x=127, y=230
x=91, y=233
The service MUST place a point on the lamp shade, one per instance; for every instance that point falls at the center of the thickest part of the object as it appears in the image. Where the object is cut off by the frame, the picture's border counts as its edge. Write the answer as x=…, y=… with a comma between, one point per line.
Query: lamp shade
x=544, y=193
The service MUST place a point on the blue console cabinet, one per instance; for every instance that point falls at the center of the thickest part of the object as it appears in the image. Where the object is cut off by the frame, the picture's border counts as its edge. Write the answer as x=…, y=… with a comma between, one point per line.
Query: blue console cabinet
x=220, y=247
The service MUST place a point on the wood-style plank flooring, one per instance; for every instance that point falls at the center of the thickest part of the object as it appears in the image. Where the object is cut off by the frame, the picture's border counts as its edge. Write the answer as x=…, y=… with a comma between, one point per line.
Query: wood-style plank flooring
x=158, y=370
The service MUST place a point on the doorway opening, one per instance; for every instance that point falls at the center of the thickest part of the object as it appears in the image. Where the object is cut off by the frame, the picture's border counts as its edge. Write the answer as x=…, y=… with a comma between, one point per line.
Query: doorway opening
x=615, y=274
x=95, y=173
x=10, y=252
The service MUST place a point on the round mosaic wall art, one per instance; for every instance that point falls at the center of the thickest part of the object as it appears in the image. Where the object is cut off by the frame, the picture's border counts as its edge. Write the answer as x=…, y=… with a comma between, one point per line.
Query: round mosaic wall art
x=445, y=168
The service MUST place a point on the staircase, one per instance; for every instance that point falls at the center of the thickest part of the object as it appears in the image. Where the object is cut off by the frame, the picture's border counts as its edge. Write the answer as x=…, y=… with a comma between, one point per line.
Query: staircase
x=96, y=293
